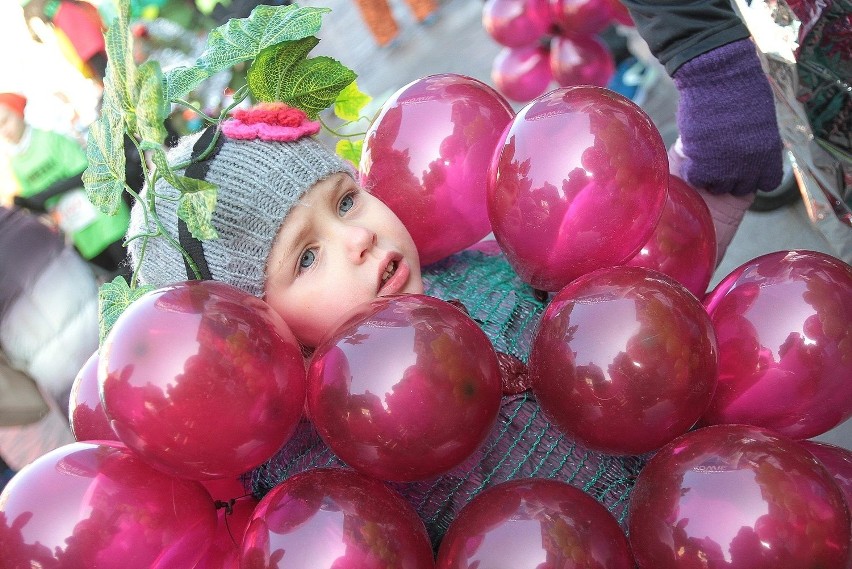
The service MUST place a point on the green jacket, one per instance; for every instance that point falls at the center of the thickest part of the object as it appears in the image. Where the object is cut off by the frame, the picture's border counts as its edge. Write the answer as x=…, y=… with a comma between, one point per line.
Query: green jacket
x=51, y=157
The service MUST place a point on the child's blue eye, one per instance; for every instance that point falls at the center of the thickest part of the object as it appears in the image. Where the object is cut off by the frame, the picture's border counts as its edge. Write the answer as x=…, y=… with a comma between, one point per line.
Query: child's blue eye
x=347, y=203
x=307, y=259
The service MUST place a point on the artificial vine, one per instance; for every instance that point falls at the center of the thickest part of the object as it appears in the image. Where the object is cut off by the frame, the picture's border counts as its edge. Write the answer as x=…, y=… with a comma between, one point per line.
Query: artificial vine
x=276, y=40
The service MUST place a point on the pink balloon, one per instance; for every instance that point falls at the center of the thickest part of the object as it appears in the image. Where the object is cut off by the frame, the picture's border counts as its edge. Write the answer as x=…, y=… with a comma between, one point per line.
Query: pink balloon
x=683, y=245
x=85, y=410
x=581, y=16
x=515, y=23
x=427, y=154
x=100, y=505
x=224, y=551
x=624, y=360
x=522, y=73
x=737, y=497
x=531, y=524
x=784, y=325
x=837, y=461
x=407, y=388
x=335, y=519
x=580, y=60
x=202, y=380
x=225, y=489
x=589, y=197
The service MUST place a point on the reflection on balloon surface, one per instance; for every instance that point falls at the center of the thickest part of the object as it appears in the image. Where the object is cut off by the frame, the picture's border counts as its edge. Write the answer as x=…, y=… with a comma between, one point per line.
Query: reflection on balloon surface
x=86, y=413
x=837, y=461
x=580, y=60
x=515, y=23
x=407, y=388
x=522, y=73
x=202, y=380
x=784, y=325
x=589, y=198
x=683, y=244
x=426, y=156
x=335, y=519
x=100, y=505
x=624, y=360
x=534, y=523
x=738, y=497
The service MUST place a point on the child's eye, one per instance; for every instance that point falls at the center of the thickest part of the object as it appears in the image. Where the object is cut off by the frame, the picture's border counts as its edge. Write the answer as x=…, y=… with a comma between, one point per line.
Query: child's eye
x=346, y=203
x=307, y=259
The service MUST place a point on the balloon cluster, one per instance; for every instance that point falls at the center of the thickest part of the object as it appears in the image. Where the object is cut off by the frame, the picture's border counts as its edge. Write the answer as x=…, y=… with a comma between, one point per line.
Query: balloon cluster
x=198, y=383
x=547, y=40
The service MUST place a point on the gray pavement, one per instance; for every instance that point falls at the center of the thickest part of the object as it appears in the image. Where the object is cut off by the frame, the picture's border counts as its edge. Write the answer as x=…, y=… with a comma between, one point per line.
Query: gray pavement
x=455, y=42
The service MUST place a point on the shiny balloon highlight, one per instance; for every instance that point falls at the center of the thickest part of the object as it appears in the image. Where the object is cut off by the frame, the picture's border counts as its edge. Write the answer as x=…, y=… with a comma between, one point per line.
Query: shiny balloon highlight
x=522, y=73
x=784, y=325
x=426, y=156
x=587, y=199
x=624, y=360
x=335, y=519
x=100, y=505
x=738, y=497
x=407, y=388
x=683, y=244
x=534, y=523
x=202, y=380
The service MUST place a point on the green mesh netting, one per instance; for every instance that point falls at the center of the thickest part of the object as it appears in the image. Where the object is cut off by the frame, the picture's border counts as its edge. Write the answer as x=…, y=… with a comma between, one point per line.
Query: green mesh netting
x=523, y=444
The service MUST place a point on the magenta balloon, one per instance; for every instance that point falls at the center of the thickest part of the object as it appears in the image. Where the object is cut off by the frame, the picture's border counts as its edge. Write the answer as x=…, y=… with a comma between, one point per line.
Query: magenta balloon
x=588, y=198
x=99, y=505
x=225, y=489
x=202, y=380
x=515, y=23
x=624, y=360
x=224, y=551
x=522, y=73
x=581, y=16
x=837, y=461
x=335, y=519
x=737, y=497
x=683, y=245
x=531, y=524
x=427, y=154
x=620, y=14
x=784, y=325
x=85, y=410
x=580, y=60
x=407, y=388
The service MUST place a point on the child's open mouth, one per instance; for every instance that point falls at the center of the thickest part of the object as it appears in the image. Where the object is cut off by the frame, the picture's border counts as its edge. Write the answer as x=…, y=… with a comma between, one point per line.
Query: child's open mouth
x=389, y=271
x=394, y=277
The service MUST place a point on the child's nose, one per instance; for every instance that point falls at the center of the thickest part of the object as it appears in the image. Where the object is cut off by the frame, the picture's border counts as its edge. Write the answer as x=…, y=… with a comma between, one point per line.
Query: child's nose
x=359, y=241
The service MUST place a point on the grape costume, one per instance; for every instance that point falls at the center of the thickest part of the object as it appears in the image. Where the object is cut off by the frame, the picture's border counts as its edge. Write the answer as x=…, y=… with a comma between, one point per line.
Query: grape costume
x=522, y=443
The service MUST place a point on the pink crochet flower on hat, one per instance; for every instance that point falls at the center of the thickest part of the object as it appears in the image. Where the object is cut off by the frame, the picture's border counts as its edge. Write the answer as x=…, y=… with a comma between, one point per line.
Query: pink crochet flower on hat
x=277, y=122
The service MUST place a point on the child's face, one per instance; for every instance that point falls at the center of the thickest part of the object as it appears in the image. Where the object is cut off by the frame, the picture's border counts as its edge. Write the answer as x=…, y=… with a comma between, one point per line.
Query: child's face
x=11, y=125
x=339, y=247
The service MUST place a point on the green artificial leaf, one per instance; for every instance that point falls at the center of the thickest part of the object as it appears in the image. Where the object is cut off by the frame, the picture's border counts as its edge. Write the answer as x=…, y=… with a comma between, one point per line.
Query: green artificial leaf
x=121, y=69
x=113, y=298
x=271, y=66
x=104, y=177
x=195, y=206
x=350, y=150
x=350, y=102
x=243, y=39
x=314, y=84
x=151, y=111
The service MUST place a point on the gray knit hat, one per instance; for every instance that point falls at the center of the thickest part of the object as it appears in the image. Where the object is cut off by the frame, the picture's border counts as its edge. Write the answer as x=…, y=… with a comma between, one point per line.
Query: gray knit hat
x=258, y=183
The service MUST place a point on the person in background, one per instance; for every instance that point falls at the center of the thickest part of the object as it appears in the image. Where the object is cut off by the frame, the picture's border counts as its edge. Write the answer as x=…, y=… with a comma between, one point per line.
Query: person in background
x=48, y=168
x=48, y=304
x=79, y=29
x=729, y=146
x=379, y=18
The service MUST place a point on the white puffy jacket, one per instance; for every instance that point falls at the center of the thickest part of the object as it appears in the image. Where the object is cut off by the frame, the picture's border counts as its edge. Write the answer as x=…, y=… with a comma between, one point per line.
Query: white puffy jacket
x=48, y=303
